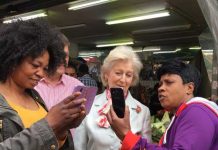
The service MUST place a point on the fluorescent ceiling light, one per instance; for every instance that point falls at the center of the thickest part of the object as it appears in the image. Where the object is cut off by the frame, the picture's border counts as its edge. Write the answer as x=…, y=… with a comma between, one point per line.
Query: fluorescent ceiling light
x=195, y=47
x=178, y=49
x=72, y=26
x=207, y=51
x=139, y=18
x=90, y=54
x=164, y=52
x=167, y=52
x=88, y=3
x=114, y=44
x=208, y=54
x=148, y=49
x=24, y=17
x=151, y=49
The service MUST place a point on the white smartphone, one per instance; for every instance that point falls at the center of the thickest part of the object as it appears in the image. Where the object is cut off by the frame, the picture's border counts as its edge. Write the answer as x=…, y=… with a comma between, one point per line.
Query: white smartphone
x=87, y=92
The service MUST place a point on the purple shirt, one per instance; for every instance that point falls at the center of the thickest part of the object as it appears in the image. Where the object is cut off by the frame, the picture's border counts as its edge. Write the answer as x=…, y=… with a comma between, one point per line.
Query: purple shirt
x=195, y=128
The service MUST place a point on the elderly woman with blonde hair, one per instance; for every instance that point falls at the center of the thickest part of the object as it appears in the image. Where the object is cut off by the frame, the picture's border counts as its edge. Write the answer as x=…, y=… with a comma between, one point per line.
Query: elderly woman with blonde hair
x=120, y=69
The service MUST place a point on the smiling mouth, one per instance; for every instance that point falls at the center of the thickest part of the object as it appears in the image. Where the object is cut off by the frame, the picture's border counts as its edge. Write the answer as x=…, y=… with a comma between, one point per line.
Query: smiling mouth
x=36, y=80
x=117, y=86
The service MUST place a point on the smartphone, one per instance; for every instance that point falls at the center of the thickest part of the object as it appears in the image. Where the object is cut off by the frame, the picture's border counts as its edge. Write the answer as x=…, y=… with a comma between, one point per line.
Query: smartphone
x=87, y=92
x=118, y=101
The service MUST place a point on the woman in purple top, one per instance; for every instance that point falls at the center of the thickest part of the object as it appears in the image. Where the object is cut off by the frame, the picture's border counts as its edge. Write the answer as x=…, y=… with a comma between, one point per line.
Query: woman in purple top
x=195, y=123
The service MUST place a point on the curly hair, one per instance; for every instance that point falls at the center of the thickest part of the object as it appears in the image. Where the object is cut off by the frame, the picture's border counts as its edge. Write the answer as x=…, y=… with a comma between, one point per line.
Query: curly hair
x=31, y=38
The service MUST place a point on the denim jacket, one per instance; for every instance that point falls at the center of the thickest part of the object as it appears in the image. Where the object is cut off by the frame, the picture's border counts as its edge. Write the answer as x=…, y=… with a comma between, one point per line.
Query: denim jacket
x=39, y=136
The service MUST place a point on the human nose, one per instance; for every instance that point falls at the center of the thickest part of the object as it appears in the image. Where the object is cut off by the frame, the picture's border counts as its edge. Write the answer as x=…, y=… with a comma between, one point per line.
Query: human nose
x=161, y=88
x=123, y=78
x=40, y=72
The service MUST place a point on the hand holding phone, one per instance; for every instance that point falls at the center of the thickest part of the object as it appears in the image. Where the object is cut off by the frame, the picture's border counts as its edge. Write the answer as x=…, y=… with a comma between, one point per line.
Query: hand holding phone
x=118, y=101
x=88, y=93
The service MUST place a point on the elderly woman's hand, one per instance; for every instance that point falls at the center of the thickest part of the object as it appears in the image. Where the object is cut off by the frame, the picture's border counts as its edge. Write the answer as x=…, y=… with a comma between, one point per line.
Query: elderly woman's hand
x=66, y=115
x=120, y=125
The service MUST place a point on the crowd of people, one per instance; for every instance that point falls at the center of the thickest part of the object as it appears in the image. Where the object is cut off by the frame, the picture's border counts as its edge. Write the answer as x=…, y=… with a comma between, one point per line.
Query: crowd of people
x=39, y=109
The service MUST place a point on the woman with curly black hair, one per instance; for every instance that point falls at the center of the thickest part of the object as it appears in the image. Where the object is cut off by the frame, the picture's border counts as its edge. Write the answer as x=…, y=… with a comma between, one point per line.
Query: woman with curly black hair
x=29, y=50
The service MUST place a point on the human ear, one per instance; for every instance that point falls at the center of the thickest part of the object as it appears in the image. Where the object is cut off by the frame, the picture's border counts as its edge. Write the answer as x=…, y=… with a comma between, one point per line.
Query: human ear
x=190, y=88
x=105, y=76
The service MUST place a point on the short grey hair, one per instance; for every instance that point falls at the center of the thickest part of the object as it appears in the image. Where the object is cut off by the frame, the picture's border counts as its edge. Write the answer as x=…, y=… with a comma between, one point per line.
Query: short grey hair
x=118, y=54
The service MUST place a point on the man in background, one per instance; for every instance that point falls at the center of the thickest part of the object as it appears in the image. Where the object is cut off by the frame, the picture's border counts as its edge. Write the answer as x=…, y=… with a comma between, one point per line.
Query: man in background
x=57, y=86
x=84, y=77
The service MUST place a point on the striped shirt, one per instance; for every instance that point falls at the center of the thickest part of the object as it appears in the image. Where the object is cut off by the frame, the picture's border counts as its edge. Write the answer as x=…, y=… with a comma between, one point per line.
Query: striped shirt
x=53, y=94
x=87, y=80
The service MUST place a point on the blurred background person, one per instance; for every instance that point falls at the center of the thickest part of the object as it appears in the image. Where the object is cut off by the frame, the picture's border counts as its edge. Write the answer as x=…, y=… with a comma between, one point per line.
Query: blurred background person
x=100, y=87
x=29, y=49
x=120, y=69
x=84, y=77
x=71, y=69
x=80, y=60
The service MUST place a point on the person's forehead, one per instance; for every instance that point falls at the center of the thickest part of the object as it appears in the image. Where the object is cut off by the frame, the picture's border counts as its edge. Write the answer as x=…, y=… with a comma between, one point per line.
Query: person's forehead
x=69, y=68
x=66, y=49
x=170, y=76
x=122, y=63
x=73, y=69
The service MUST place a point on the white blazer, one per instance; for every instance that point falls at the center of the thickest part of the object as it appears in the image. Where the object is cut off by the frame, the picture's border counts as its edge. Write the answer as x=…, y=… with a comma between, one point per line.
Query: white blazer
x=89, y=136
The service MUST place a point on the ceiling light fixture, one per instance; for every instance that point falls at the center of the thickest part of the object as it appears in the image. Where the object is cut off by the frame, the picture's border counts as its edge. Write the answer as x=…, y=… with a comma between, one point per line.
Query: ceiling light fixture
x=207, y=52
x=178, y=49
x=87, y=3
x=147, y=16
x=164, y=52
x=195, y=47
x=115, y=44
x=148, y=49
x=90, y=54
x=25, y=16
x=167, y=52
x=72, y=26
